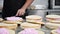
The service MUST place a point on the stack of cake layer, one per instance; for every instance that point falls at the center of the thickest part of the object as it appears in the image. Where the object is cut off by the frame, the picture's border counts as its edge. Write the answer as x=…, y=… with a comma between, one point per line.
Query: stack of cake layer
x=30, y=25
x=53, y=21
x=53, y=18
x=8, y=26
x=52, y=25
x=36, y=19
x=32, y=21
x=13, y=20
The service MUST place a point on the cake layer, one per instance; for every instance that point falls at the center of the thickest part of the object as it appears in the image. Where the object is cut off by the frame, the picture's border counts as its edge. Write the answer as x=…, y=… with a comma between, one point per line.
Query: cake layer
x=33, y=17
x=8, y=26
x=30, y=25
x=52, y=25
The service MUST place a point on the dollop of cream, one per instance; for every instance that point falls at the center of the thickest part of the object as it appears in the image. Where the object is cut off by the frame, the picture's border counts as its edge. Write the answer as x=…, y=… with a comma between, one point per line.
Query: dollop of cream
x=29, y=31
x=13, y=18
x=4, y=31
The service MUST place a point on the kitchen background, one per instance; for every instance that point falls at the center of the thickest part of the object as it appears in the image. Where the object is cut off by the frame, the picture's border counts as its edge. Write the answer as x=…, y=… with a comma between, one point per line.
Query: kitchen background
x=42, y=3
x=39, y=8
x=36, y=2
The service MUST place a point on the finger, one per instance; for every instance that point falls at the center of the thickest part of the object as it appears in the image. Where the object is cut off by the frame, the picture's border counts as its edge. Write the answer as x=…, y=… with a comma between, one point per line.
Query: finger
x=23, y=13
x=20, y=13
x=17, y=13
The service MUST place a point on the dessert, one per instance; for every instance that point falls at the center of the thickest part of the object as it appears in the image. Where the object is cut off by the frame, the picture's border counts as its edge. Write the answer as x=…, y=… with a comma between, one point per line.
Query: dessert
x=6, y=31
x=1, y=19
x=34, y=19
x=31, y=31
x=11, y=31
x=52, y=25
x=13, y=20
x=53, y=18
x=30, y=25
x=57, y=31
x=8, y=26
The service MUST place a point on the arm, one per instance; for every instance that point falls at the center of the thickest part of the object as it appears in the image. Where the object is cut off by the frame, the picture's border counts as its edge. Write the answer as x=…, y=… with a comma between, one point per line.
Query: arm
x=25, y=6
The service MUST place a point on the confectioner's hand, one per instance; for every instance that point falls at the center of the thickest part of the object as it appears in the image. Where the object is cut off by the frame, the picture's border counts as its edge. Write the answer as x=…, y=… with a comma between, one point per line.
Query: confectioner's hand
x=20, y=12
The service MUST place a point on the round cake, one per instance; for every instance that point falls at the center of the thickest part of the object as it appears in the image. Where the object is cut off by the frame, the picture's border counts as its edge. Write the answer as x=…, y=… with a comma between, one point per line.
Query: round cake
x=52, y=25
x=8, y=26
x=6, y=31
x=31, y=31
x=1, y=19
x=13, y=20
x=57, y=31
x=34, y=19
x=30, y=25
x=53, y=18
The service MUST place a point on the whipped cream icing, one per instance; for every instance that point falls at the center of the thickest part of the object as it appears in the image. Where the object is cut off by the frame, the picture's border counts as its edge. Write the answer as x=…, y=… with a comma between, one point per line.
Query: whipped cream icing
x=4, y=31
x=29, y=31
x=13, y=18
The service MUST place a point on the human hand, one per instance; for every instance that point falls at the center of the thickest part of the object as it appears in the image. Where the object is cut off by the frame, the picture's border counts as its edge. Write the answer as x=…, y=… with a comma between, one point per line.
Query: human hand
x=20, y=12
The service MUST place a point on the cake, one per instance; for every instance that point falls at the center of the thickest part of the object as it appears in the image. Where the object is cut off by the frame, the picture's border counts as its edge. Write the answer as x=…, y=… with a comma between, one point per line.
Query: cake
x=30, y=25
x=1, y=19
x=8, y=26
x=31, y=31
x=57, y=31
x=6, y=31
x=34, y=19
x=53, y=18
x=52, y=25
x=13, y=20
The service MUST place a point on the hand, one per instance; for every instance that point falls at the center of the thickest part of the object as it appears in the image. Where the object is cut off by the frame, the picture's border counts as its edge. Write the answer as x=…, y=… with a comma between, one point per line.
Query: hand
x=20, y=12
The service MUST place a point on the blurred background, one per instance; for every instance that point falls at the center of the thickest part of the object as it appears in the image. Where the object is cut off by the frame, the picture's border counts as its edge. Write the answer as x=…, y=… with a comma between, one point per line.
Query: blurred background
x=41, y=7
